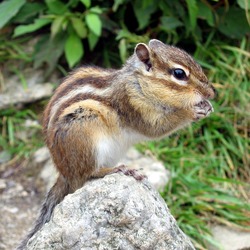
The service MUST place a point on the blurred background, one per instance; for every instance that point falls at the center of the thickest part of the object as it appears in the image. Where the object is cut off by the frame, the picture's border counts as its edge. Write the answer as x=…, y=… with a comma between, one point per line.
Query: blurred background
x=41, y=41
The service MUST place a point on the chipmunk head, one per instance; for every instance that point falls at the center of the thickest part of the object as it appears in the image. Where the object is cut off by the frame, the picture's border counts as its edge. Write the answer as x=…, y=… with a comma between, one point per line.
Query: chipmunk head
x=170, y=76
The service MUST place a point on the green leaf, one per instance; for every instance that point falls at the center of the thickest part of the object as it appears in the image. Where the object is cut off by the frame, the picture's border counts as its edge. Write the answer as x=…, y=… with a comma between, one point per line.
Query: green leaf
x=193, y=12
x=143, y=11
x=28, y=12
x=96, y=10
x=73, y=49
x=92, y=39
x=87, y=3
x=123, y=50
x=79, y=27
x=56, y=26
x=170, y=23
x=206, y=13
x=48, y=51
x=56, y=7
x=94, y=23
x=231, y=22
x=9, y=9
x=116, y=4
x=244, y=4
x=24, y=29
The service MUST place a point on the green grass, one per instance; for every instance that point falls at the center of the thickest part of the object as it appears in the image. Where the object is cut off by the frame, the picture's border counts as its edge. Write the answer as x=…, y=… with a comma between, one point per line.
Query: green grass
x=19, y=139
x=210, y=161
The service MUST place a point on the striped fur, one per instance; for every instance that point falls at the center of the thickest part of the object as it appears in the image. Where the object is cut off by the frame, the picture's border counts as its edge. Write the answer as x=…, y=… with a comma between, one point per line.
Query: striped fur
x=95, y=115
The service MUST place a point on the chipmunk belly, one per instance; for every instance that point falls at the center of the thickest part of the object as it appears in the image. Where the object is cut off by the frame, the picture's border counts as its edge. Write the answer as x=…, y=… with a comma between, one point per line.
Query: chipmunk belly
x=111, y=149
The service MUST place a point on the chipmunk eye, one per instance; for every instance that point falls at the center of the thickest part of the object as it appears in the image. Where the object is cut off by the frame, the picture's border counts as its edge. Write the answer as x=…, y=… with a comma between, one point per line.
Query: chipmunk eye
x=179, y=74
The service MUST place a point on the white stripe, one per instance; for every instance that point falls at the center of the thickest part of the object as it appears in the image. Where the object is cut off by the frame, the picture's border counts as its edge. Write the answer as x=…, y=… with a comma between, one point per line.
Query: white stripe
x=180, y=82
x=86, y=89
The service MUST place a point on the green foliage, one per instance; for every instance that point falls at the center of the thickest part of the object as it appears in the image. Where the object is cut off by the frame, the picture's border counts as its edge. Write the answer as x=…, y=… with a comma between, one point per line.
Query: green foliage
x=24, y=29
x=143, y=11
x=9, y=9
x=48, y=52
x=233, y=20
x=84, y=24
x=73, y=49
x=11, y=50
x=94, y=23
x=68, y=24
x=192, y=12
x=198, y=202
x=18, y=138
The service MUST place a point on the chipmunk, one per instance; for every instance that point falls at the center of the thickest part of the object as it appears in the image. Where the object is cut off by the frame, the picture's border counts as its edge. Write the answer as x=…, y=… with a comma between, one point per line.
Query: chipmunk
x=96, y=114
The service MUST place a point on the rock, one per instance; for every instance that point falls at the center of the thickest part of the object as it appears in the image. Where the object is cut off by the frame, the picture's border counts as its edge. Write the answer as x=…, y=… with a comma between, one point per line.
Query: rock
x=15, y=93
x=41, y=155
x=230, y=239
x=49, y=174
x=18, y=212
x=5, y=156
x=157, y=174
x=3, y=184
x=115, y=212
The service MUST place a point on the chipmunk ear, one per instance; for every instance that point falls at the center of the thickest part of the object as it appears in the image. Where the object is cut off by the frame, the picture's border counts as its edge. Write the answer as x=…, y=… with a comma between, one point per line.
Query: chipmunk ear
x=154, y=43
x=142, y=52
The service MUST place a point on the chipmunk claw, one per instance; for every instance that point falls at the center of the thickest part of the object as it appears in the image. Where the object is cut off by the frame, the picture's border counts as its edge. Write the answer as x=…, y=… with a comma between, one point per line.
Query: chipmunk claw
x=129, y=172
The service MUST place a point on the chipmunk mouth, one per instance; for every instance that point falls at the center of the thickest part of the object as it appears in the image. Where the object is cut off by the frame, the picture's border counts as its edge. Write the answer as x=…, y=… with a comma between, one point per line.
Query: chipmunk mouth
x=202, y=109
x=206, y=105
x=203, y=102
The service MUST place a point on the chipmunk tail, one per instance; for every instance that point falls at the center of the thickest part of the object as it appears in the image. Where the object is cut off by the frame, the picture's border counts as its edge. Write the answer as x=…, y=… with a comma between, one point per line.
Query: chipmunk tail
x=55, y=196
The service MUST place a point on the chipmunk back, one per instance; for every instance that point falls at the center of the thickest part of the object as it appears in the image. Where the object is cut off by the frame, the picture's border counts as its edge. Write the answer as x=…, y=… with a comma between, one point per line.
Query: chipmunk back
x=96, y=114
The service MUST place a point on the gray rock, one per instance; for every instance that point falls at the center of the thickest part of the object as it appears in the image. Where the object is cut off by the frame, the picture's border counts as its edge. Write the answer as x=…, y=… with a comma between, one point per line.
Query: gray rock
x=49, y=174
x=5, y=156
x=41, y=155
x=115, y=212
x=15, y=93
x=3, y=184
x=18, y=210
x=157, y=174
x=230, y=239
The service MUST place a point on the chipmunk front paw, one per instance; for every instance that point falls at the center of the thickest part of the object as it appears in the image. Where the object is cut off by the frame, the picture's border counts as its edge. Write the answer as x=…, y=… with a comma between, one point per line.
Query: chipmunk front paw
x=202, y=109
x=129, y=172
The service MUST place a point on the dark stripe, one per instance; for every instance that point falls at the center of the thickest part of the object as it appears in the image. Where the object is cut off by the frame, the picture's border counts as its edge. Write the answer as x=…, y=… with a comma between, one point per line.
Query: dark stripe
x=78, y=98
x=97, y=82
